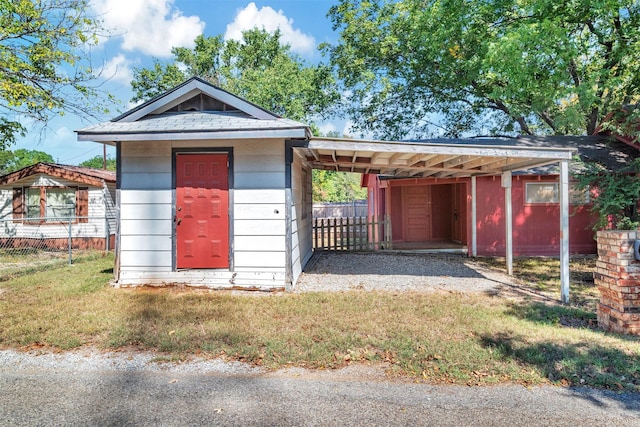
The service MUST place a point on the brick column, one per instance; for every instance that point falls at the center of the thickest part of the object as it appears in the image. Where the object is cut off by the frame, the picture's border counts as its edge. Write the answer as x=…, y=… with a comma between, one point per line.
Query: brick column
x=617, y=276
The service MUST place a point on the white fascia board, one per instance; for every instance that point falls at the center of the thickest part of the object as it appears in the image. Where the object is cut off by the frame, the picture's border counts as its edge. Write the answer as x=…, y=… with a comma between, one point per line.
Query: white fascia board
x=430, y=148
x=188, y=136
x=190, y=90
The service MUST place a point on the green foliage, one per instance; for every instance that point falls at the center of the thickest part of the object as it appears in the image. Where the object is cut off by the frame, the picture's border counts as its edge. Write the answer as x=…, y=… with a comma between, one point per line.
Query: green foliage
x=11, y=161
x=97, y=162
x=616, y=194
x=258, y=68
x=450, y=67
x=332, y=186
x=44, y=66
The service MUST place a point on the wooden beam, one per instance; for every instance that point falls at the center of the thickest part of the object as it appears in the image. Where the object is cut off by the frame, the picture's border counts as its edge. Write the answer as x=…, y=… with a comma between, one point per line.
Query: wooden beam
x=375, y=156
x=564, y=153
x=394, y=157
x=458, y=161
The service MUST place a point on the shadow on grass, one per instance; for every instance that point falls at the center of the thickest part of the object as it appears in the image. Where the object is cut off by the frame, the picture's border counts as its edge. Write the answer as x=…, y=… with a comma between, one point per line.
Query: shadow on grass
x=159, y=322
x=576, y=364
x=552, y=314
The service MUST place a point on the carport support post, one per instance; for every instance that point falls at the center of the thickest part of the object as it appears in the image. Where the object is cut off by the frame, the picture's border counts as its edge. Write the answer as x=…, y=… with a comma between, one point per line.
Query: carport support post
x=564, y=231
x=474, y=219
x=508, y=220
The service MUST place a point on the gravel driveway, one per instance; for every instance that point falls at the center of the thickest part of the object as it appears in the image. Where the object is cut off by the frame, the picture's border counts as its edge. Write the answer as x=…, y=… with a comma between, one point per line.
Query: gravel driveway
x=396, y=272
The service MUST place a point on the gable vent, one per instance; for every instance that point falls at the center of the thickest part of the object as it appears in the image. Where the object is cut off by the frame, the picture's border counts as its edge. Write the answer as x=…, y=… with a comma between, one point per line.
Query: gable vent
x=202, y=102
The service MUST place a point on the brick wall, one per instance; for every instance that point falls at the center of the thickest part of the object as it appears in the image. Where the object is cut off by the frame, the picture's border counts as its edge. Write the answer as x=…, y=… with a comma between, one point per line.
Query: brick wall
x=617, y=276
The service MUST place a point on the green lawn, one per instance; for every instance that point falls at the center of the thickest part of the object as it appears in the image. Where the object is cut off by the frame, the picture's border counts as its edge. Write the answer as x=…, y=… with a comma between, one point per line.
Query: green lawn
x=435, y=337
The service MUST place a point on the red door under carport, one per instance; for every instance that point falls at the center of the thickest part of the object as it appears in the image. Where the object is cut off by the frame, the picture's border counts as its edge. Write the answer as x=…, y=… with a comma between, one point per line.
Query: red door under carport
x=202, y=211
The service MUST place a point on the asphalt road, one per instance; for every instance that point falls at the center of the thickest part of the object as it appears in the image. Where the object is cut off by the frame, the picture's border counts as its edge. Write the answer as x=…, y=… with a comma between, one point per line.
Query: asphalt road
x=119, y=394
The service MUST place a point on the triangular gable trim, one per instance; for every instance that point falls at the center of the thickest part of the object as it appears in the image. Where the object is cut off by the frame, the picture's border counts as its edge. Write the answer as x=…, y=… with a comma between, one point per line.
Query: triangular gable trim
x=53, y=170
x=188, y=90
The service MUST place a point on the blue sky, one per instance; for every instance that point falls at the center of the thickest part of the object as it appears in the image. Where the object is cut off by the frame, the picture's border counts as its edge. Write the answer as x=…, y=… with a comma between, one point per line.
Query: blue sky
x=144, y=29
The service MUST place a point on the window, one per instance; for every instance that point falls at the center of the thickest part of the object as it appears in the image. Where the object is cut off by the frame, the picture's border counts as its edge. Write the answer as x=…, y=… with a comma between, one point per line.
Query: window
x=541, y=192
x=51, y=204
x=547, y=192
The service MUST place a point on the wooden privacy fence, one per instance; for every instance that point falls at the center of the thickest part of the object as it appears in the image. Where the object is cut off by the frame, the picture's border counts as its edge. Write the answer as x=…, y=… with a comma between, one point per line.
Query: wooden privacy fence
x=351, y=234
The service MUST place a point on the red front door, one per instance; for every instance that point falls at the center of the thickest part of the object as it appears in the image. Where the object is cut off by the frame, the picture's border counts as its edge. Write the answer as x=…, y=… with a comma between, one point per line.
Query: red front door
x=202, y=211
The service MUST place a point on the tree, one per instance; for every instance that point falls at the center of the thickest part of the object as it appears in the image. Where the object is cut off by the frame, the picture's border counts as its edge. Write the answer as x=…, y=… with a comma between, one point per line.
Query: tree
x=617, y=193
x=258, y=68
x=97, y=162
x=11, y=161
x=332, y=186
x=453, y=67
x=44, y=67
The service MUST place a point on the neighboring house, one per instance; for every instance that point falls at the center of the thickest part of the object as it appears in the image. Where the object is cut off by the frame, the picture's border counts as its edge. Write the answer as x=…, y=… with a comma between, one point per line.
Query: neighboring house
x=214, y=191
x=435, y=211
x=39, y=203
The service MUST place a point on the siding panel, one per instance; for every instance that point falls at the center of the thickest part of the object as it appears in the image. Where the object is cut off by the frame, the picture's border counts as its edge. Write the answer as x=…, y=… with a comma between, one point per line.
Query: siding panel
x=146, y=227
x=259, y=196
x=149, y=243
x=145, y=196
x=145, y=258
x=259, y=212
x=259, y=228
x=259, y=259
x=259, y=243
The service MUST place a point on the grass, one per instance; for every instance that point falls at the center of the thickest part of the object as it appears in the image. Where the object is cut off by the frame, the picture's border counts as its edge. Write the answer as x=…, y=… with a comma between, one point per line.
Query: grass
x=542, y=275
x=436, y=337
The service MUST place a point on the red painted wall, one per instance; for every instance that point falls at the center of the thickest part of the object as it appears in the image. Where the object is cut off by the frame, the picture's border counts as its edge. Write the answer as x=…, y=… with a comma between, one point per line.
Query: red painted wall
x=536, y=227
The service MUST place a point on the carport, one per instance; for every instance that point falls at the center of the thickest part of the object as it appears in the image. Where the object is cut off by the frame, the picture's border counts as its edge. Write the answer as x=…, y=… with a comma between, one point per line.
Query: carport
x=452, y=158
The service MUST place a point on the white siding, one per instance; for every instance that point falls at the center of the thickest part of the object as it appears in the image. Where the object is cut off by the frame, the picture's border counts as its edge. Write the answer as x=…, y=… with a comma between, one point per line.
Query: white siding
x=257, y=213
x=301, y=216
x=145, y=207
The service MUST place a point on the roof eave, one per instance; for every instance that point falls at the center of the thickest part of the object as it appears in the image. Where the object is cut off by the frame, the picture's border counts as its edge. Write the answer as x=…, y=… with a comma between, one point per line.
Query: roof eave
x=106, y=137
x=53, y=170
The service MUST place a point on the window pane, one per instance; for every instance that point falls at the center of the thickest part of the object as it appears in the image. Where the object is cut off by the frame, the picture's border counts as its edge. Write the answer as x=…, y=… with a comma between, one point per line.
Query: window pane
x=33, y=196
x=60, y=204
x=32, y=202
x=544, y=192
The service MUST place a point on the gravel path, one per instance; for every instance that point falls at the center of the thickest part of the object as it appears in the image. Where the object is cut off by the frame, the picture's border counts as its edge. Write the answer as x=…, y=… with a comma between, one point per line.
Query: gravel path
x=397, y=272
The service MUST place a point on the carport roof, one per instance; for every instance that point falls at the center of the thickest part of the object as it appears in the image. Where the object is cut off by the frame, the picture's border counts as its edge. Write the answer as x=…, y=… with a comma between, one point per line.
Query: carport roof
x=441, y=158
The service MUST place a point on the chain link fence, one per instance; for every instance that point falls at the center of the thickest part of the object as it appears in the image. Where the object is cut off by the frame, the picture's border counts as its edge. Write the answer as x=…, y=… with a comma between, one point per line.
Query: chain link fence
x=29, y=244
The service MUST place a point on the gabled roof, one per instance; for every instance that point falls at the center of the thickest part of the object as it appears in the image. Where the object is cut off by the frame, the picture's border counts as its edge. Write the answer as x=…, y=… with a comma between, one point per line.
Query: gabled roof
x=195, y=109
x=88, y=176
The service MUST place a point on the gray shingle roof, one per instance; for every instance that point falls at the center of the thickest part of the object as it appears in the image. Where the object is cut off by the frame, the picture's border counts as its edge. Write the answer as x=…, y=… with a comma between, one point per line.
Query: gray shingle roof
x=192, y=121
x=610, y=153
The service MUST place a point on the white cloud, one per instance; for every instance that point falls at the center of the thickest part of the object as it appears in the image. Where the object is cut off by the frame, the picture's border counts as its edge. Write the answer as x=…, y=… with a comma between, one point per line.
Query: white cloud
x=251, y=17
x=152, y=27
x=348, y=130
x=118, y=69
x=327, y=127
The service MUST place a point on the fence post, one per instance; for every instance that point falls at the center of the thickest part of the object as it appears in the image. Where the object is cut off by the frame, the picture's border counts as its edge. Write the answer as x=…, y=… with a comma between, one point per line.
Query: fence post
x=107, y=233
x=70, y=237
